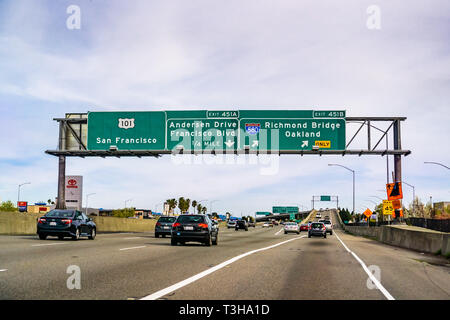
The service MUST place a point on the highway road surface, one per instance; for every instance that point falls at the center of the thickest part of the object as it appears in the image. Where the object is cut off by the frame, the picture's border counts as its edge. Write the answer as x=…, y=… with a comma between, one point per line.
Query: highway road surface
x=262, y=263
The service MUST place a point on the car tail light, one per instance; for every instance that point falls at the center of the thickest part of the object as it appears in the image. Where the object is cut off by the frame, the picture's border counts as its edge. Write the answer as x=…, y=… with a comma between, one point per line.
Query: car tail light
x=42, y=220
x=176, y=224
x=66, y=221
x=203, y=225
x=158, y=224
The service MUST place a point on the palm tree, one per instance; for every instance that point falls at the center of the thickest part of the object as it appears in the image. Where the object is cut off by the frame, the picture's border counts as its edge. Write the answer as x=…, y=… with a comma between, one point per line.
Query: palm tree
x=187, y=205
x=194, y=204
x=199, y=208
x=181, y=204
x=172, y=204
x=204, y=210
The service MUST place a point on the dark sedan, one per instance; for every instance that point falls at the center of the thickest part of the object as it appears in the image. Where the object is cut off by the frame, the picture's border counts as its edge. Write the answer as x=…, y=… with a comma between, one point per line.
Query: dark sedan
x=164, y=226
x=317, y=229
x=194, y=227
x=66, y=223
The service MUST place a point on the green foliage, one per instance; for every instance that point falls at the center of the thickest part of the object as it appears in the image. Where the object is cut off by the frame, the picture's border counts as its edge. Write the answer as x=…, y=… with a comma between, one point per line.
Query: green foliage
x=124, y=213
x=8, y=206
x=345, y=215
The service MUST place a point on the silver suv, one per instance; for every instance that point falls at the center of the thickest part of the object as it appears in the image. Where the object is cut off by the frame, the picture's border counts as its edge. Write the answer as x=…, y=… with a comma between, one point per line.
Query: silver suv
x=328, y=225
x=231, y=224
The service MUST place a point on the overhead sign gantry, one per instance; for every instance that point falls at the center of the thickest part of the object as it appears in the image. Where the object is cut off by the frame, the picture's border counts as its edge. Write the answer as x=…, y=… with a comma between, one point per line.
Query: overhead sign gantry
x=155, y=133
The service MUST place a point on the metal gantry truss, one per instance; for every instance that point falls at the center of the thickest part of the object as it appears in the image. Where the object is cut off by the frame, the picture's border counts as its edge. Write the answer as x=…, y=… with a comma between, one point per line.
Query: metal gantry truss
x=332, y=199
x=73, y=139
x=74, y=128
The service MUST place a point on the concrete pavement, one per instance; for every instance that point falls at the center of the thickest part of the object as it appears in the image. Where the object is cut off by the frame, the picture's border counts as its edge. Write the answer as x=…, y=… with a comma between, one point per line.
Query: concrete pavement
x=136, y=265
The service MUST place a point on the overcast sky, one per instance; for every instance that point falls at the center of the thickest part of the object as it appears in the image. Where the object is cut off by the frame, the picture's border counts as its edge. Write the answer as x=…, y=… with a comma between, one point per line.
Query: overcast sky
x=175, y=55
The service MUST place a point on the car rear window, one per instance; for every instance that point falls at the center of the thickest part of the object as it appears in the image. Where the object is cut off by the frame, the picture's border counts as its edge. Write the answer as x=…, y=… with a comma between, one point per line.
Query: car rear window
x=191, y=219
x=317, y=225
x=327, y=222
x=61, y=214
x=166, y=219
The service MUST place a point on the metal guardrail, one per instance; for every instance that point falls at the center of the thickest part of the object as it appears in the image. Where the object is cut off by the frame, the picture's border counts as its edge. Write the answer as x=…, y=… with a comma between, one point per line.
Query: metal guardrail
x=442, y=225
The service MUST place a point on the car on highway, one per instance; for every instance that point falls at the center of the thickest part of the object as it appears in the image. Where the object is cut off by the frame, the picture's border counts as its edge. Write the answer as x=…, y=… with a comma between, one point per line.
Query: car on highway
x=163, y=226
x=196, y=228
x=66, y=223
x=267, y=224
x=317, y=229
x=231, y=224
x=241, y=224
x=252, y=224
x=318, y=215
x=328, y=225
x=303, y=227
x=291, y=227
x=275, y=222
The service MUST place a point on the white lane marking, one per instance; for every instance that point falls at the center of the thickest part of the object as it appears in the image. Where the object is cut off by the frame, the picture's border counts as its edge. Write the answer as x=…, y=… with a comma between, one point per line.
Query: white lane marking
x=279, y=231
x=2, y=270
x=46, y=244
x=132, y=238
x=132, y=248
x=200, y=275
x=371, y=276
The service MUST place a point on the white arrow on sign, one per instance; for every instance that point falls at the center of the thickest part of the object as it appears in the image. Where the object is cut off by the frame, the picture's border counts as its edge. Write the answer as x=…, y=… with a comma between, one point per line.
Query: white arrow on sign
x=229, y=143
x=305, y=143
x=255, y=143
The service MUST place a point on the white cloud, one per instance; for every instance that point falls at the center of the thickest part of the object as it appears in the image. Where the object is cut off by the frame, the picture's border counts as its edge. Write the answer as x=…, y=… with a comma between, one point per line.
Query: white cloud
x=257, y=54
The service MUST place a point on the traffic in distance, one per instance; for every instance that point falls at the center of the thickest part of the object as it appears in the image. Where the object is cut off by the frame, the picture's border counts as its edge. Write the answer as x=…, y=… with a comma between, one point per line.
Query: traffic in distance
x=146, y=265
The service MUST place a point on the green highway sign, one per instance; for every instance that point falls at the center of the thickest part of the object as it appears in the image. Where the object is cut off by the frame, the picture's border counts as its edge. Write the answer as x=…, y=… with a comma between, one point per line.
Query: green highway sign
x=261, y=213
x=228, y=130
x=126, y=130
x=292, y=216
x=325, y=198
x=285, y=209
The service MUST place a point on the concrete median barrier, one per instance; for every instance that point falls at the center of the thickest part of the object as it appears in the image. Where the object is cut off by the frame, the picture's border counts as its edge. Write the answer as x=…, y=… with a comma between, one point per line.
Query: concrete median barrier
x=414, y=238
x=25, y=223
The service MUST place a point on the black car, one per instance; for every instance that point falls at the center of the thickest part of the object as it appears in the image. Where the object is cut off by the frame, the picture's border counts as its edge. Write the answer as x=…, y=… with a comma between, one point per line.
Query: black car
x=252, y=224
x=241, y=224
x=194, y=227
x=66, y=223
x=164, y=226
x=317, y=229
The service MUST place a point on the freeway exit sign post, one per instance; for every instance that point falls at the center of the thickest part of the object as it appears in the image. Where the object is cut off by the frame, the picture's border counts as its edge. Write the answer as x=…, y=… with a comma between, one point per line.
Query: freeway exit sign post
x=222, y=131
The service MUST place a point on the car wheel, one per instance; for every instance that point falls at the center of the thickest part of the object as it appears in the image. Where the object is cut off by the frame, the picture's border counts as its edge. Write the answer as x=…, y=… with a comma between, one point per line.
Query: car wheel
x=325, y=236
x=156, y=235
x=42, y=236
x=246, y=229
x=331, y=233
x=77, y=235
x=309, y=236
x=298, y=232
x=208, y=241
x=173, y=242
x=93, y=234
x=216, y=240
x=285, y=232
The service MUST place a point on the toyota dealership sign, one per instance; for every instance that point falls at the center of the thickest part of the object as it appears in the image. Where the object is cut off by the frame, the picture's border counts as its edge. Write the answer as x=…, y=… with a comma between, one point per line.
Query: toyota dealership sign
x=74, y=192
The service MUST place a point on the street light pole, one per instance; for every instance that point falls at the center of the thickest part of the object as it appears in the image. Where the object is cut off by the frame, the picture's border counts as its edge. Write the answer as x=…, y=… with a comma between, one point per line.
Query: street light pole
x=440, y=164
x=18, y=192
x=126, y=202
x=353, y=172
x=87, y=199
x=414, y=197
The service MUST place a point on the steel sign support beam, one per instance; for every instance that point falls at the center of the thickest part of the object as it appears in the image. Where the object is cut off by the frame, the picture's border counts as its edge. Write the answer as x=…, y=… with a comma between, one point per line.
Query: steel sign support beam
x=61, y=202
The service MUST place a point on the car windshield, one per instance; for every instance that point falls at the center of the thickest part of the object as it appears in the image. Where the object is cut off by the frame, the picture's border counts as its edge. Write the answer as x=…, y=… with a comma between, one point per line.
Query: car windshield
x=317, y=225
x=166, y=219
x=60, y=213
x=191, y=219
x=327, y=222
